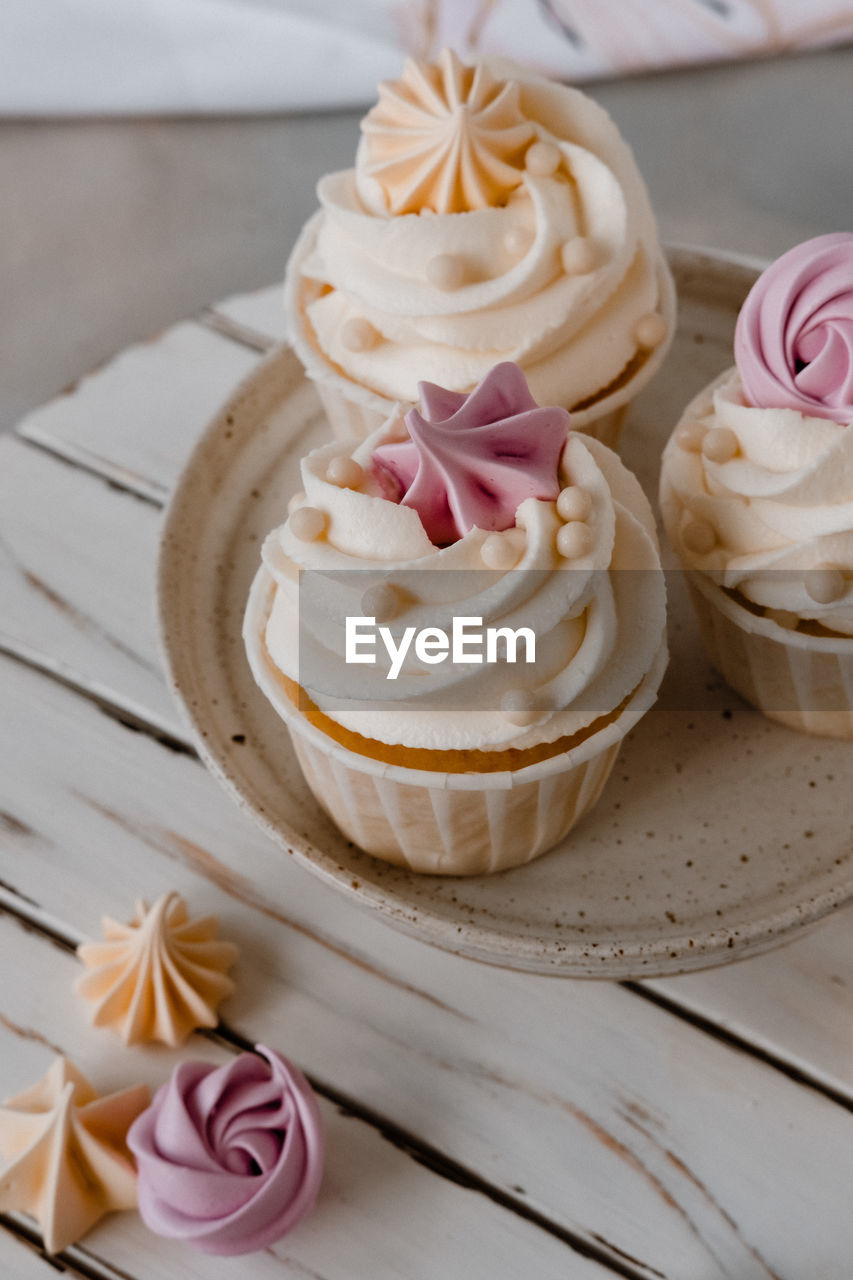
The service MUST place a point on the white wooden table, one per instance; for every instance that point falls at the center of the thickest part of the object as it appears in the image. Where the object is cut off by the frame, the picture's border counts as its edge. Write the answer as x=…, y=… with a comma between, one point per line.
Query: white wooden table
x=480, y=1123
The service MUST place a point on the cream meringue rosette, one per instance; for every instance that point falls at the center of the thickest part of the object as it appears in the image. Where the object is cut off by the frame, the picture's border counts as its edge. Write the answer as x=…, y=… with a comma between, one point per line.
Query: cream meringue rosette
x=757, y=494
x=481, y=765
x=491, y=215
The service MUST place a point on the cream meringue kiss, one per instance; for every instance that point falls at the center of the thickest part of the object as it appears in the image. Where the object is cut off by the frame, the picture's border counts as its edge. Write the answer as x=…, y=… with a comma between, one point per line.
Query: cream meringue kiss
x=67, y=1158
x=159, y=977
x=230, y=1158
x=490, y=215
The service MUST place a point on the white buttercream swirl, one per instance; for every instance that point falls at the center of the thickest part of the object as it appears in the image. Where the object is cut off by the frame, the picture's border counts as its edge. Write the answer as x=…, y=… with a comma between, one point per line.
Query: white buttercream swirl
x=598, y=619
x=780, y=507
x=573, y=334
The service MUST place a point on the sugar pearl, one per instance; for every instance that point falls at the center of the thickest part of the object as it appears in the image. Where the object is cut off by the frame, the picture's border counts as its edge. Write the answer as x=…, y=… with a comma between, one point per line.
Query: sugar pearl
x=307, y=523
x=578, y=256
x=650, y=330
x=518, y=706
x=447, y=271
x=542, y=159
x=574, y=540
x=380, y=602
x=719, y=444
x=298, y=500
x=699, y=536
x=825, y=583
x=359, y=334
x=690, y=436
x=344, y=472
x=503, y=550
x=518, y=240
x=574, y=503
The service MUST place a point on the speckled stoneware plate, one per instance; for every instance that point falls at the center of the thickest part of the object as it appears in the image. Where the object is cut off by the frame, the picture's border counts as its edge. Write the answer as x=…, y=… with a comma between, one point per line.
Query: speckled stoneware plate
x=719, y=833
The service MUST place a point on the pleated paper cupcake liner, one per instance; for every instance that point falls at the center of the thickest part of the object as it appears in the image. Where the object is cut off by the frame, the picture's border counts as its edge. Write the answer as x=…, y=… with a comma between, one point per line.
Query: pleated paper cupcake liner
x=803, y=681
x=445, y=823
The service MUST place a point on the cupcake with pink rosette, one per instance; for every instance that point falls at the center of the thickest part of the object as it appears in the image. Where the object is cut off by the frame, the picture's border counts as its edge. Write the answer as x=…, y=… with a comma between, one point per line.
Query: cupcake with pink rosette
x=229, y=1158
x=757, y=494
x=480, y=514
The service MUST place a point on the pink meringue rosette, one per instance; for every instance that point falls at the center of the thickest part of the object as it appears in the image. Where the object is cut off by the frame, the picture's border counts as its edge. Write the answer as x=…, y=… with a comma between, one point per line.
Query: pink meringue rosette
x=757, y=494
x=229, y=1158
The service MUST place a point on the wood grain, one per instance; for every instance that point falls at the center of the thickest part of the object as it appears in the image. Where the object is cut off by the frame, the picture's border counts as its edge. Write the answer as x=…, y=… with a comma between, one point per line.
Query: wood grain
x=379, y=1213
x=582, y=1101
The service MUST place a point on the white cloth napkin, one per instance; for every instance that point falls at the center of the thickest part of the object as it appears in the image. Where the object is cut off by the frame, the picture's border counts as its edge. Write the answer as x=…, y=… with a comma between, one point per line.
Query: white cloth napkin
x=60, y=57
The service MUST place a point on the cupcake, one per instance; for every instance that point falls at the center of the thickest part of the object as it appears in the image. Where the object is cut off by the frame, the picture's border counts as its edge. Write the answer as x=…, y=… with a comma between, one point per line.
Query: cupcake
x=491, y=215
x=757, y=494
x=460, y=620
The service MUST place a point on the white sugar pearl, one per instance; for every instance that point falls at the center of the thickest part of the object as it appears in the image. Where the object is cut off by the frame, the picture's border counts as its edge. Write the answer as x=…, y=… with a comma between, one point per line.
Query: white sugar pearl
x=542, y=159
x=825, y=583
x=650, y=330
x=344, y=472
x=381, y=602
x=307, y=523
x=578, y=256
x=502, y=550
x=719, y=444
x=690, y=436
x=518, y=240
x=574, y=503
x=298, y=500
x=518, y=706
x=574, y=540
x=359, y=334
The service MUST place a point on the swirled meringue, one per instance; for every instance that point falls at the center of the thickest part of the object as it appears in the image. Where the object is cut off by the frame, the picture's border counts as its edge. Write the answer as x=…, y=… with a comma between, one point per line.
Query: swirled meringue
x=562, y=275
x=68, y=1162
x=794, y=336
x=159, y=977
x=472, y=460
x=230, y=1158
x=445, y=137
x=583, y=572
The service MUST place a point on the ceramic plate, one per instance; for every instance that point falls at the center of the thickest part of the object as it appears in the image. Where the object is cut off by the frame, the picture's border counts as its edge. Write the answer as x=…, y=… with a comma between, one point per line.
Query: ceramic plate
x=719, y=833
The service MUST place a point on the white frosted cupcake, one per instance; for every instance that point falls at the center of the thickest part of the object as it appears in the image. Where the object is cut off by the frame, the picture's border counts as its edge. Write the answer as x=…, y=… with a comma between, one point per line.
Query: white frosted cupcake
x=757, y=494
x=491, y=215
x=482, y=508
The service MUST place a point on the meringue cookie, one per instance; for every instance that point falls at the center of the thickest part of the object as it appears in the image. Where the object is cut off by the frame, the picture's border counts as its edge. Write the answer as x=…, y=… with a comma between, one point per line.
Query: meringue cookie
x=230, y=1158
x=68, y=1159
x=159, y=977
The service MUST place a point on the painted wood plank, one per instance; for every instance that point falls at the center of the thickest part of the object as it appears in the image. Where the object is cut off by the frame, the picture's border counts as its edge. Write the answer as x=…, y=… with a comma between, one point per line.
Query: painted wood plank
x=606, y=1115
x=136, y=418
x=77, y=561
x=78, y=600
x=21, y=1261
x=380, y=1214
x=257, y=317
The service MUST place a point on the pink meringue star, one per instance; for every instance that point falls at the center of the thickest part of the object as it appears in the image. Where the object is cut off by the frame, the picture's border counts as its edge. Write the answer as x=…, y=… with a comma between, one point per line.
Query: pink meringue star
x=472, y=459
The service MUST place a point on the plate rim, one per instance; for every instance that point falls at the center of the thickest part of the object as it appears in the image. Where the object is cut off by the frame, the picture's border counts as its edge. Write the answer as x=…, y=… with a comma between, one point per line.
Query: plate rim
x=660, y=957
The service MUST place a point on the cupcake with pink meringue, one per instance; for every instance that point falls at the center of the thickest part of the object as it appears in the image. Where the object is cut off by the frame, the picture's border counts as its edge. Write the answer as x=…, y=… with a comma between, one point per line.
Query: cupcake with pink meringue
x=757, y=494
x=482, y=512
x=490, y=215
